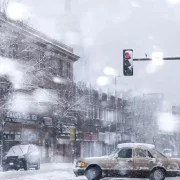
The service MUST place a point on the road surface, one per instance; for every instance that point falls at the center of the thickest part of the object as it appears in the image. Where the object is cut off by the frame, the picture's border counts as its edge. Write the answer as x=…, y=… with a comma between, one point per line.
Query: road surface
x=57, y=171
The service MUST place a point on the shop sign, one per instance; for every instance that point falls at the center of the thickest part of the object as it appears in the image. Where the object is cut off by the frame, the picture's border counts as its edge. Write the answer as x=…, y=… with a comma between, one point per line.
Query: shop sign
x=87, y=136
x=90, y=137
x=72, y=133
x=94, y=137
x=19, y=117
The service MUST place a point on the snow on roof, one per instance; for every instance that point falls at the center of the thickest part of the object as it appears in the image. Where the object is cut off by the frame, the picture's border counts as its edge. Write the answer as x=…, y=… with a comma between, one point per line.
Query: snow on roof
x=18, y=150
x=39, y=35
x=149, y=146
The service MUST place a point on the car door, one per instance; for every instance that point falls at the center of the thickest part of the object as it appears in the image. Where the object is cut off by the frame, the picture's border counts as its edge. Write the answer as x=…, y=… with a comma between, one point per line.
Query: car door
x=122, y=162
x=143, y=161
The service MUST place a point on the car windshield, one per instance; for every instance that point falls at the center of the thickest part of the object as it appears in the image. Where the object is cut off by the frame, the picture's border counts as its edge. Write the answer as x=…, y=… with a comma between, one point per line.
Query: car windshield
x=18, y=150
x=80, y=77
x=113, y=153
x=156, y=153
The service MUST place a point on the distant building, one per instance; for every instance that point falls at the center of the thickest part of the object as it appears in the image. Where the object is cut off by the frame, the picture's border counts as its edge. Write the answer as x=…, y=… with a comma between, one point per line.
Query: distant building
x=142, y=116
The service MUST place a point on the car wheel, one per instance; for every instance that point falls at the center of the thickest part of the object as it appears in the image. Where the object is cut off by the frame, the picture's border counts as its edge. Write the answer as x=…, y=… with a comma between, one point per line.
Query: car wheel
x=5, y=168
x=157, y=174
x=93, y=173
x=26, y=166
x=17, y=169
x=38, y=166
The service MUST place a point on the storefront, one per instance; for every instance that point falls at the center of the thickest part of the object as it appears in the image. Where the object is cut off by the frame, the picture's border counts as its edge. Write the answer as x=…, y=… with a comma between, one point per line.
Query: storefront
x=65, y=148
x=89, y=145
x=19, y=128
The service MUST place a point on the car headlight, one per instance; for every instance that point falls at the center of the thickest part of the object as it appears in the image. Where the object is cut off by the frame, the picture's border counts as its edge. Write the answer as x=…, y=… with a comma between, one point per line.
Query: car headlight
x=80, y=164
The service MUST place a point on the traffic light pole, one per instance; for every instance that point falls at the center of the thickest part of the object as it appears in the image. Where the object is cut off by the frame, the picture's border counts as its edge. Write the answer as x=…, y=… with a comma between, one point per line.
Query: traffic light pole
x=165, y=59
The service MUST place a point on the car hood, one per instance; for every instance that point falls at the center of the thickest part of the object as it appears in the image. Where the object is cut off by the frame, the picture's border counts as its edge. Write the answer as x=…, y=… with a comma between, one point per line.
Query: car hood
x=95, y=159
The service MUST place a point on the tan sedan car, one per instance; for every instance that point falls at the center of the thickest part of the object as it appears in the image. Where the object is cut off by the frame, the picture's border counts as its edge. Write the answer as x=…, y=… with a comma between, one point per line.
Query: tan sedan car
x=129, y=160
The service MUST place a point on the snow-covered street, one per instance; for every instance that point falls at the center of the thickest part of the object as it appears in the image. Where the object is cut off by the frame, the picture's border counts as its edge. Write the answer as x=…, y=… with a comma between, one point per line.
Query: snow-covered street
x=60, y=171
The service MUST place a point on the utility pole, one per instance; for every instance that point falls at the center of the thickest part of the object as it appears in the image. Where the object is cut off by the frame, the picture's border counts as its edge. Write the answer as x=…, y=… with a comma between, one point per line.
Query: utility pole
x=116, y=107
x=116, y=102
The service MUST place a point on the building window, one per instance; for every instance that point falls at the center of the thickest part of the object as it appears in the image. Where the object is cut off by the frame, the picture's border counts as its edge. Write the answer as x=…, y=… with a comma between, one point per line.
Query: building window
x=93, y=112
x=105, y=115
x=54, y=64
x=28, y=55
x=102, y=114
x=110, y=115
x=13, y=49
x=61, y=67
x=123, y=120
x=97, y=113
x=41, y=56
x=68, y=70
x=87, y=112
x=42, y=65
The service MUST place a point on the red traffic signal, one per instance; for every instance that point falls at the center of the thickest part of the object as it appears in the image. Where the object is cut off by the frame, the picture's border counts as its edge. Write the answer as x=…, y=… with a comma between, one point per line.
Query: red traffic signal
x=127, y=55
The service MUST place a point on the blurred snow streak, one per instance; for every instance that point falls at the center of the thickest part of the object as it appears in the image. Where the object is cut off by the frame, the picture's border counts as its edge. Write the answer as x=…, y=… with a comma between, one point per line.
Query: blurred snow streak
x=166, y=122
x=20, y=78
x=173, y=1
x=10, y=69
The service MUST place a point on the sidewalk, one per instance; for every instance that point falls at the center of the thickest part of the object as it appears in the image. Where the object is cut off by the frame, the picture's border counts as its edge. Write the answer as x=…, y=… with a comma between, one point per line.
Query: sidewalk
x=54, y=166
x=58, y=166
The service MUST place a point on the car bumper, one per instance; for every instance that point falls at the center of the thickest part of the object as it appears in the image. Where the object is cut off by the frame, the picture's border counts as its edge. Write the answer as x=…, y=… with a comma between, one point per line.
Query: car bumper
x=79, y=171
x=14, y=164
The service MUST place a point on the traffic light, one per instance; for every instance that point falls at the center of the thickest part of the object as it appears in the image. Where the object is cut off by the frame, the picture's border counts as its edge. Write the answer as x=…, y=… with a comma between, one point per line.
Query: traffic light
x=128, y=62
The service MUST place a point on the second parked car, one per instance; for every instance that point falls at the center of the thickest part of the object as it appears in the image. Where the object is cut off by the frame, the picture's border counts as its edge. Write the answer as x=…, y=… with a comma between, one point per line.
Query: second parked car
x=129, y=160
x=22, y=157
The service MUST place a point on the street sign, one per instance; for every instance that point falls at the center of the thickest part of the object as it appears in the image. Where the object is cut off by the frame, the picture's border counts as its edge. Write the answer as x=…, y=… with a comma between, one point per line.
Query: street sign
x=72, y=134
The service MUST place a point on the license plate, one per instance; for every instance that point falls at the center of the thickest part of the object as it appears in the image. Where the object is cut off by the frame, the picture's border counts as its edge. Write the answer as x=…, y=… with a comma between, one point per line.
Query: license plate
x=11, y=163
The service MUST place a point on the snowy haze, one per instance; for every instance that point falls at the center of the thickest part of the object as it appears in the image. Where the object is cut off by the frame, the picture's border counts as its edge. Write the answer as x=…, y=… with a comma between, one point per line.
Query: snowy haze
x=100, y=30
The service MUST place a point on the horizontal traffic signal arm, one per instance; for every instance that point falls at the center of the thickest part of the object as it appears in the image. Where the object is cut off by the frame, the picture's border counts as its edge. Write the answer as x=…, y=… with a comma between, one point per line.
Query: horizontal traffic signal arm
x=149, y=59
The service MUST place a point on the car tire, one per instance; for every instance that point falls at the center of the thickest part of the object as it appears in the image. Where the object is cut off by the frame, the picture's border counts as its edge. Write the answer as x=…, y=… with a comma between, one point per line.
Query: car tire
x=26, y=166
x=17, y=169
x=93, y=173
x=38, y=166
x=157, y=174
x=5, y=168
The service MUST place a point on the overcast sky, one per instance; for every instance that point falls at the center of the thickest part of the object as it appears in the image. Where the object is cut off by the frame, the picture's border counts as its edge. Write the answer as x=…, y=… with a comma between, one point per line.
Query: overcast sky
x=99, y=30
